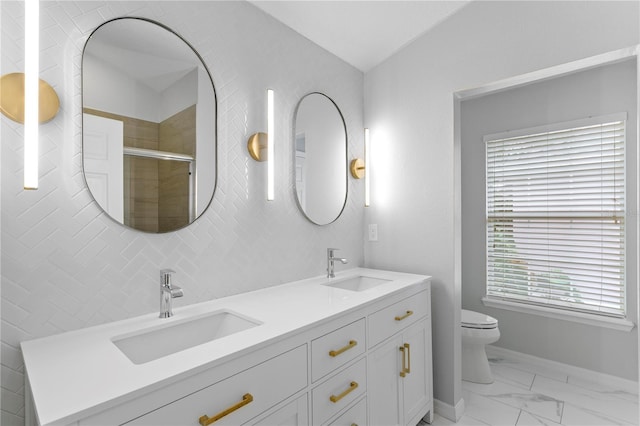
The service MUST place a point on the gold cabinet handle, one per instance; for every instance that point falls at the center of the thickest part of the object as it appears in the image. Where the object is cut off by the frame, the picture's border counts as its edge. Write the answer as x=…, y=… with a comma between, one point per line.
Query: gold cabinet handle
x=353, y=386
x=351, y=344
x=206, y=420
x=408, y=314
x=406, y=364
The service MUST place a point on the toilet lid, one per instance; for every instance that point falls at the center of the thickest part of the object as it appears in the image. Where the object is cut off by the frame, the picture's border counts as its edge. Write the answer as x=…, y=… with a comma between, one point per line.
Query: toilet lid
x=471, y=319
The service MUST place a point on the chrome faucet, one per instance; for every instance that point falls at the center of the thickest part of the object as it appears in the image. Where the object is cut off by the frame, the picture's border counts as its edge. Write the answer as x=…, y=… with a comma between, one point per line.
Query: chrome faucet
x=330, y=260
x=167, y=292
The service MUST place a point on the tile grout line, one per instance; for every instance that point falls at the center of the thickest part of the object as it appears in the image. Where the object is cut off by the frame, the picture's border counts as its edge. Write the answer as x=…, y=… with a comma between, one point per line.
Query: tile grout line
x=532, y=382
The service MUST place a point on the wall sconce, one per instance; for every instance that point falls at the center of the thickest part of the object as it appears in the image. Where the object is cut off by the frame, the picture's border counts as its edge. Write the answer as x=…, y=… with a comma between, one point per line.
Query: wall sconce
x=261, y=146
x=358, y=169
x=27, y=99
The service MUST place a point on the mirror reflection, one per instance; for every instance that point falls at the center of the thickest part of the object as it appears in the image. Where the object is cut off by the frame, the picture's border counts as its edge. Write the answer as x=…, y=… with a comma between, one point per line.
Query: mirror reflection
x=149, y=125
x=320, y=147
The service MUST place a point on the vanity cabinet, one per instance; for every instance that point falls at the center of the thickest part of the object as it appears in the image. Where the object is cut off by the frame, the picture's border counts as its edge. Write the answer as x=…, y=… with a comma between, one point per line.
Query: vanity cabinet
x=400, y=372
x=366, y=361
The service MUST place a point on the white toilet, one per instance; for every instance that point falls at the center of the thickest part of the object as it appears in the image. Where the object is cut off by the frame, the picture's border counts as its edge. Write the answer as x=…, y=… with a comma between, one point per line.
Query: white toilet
x=478, y=330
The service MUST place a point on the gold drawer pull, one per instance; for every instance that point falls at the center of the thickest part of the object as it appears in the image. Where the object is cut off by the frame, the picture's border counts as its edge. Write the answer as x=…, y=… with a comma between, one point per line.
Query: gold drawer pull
x=206, y=420
x=408, y=314
x=352, y=387
x=406, y=366
x=351, y=344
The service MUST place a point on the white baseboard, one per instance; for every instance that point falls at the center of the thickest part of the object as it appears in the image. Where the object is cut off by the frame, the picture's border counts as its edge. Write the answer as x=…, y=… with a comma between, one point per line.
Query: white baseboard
x=571, y=370
x=448, y=411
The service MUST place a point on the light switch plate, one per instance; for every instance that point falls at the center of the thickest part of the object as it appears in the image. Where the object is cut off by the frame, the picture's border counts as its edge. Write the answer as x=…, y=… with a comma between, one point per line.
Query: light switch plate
x=373, y=232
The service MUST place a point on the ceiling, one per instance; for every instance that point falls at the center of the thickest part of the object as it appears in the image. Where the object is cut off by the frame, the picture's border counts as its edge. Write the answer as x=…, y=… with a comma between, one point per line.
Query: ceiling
x=145, y=52
x=361, y=32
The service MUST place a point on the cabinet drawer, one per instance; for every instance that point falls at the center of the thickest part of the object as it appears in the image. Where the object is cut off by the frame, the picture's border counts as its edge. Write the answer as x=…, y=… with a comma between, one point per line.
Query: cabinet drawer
x=336, y=348
x=356, y=415
x=293, y=414
x=338, y=392
x=388, y=321
x=267, y=384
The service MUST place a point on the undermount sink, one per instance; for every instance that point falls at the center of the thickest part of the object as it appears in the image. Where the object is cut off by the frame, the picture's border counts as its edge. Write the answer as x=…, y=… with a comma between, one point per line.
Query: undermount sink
x=157, y=342
x=359, y=283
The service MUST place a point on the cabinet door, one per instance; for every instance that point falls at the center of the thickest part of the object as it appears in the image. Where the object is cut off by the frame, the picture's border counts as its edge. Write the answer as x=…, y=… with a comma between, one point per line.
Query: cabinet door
x=384, y=384
x=416, y=389
x=397, y=399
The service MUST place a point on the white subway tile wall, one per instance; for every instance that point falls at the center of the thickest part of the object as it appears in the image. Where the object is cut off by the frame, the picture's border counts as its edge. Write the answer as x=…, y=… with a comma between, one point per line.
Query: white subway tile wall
x=66, y=265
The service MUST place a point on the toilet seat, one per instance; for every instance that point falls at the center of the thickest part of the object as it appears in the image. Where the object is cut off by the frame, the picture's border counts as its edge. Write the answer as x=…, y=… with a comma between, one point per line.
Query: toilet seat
x=471, y=319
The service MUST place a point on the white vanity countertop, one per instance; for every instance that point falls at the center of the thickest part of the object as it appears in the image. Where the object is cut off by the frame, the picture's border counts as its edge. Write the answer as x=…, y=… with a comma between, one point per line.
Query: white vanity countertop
x=80, y=373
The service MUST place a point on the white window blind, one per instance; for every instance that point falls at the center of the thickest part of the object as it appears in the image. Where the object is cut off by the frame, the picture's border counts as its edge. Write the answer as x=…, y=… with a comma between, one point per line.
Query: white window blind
x=555, y=218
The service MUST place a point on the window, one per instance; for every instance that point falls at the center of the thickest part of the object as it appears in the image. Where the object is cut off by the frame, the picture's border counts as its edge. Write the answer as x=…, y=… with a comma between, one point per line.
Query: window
x=556, y=216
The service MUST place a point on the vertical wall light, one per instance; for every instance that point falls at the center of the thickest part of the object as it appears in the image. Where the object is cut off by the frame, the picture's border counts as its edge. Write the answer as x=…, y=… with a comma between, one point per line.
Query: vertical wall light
x=270, y=147
x=31, y=92
x=25, y=98
x=261, y=146
x=367, y=162
x=362, y=169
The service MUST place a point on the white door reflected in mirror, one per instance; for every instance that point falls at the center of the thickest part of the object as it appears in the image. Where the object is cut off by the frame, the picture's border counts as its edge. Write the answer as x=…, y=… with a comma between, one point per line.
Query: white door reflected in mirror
x=103, y=160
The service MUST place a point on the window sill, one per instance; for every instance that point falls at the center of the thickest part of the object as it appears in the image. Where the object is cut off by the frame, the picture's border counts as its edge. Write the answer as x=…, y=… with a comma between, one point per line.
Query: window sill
x=579, y=317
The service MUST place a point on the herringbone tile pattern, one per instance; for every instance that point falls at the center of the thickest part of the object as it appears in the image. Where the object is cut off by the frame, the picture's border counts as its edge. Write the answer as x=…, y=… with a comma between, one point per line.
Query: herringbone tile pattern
x=66, y=265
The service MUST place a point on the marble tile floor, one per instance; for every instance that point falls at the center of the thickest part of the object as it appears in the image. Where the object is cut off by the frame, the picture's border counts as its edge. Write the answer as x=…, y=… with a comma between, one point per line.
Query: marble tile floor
x=525, y=394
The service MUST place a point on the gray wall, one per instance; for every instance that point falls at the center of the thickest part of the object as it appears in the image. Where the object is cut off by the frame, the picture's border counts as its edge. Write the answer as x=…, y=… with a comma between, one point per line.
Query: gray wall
x=600, y=91
x=409, y=107
x=66, y=265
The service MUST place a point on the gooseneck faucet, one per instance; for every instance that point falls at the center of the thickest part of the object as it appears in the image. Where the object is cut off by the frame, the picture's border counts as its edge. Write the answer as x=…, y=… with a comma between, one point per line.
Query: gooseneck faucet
x=330, y=265
x=167, y=292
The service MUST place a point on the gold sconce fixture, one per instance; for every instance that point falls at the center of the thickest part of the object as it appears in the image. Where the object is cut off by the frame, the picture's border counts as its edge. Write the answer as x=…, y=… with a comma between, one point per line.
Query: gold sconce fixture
x=358, y=168
x=25, y=98
x=12, y=101
x=257, y=146
x=261, y=146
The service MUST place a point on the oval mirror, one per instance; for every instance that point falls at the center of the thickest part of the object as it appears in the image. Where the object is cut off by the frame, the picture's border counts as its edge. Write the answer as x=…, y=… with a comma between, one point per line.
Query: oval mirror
x=148, y=125
x=320, y=149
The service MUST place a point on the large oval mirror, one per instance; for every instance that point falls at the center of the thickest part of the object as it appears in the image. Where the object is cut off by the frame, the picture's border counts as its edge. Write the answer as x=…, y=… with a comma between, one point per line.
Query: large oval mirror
x=320, y=150
x=148, y=126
